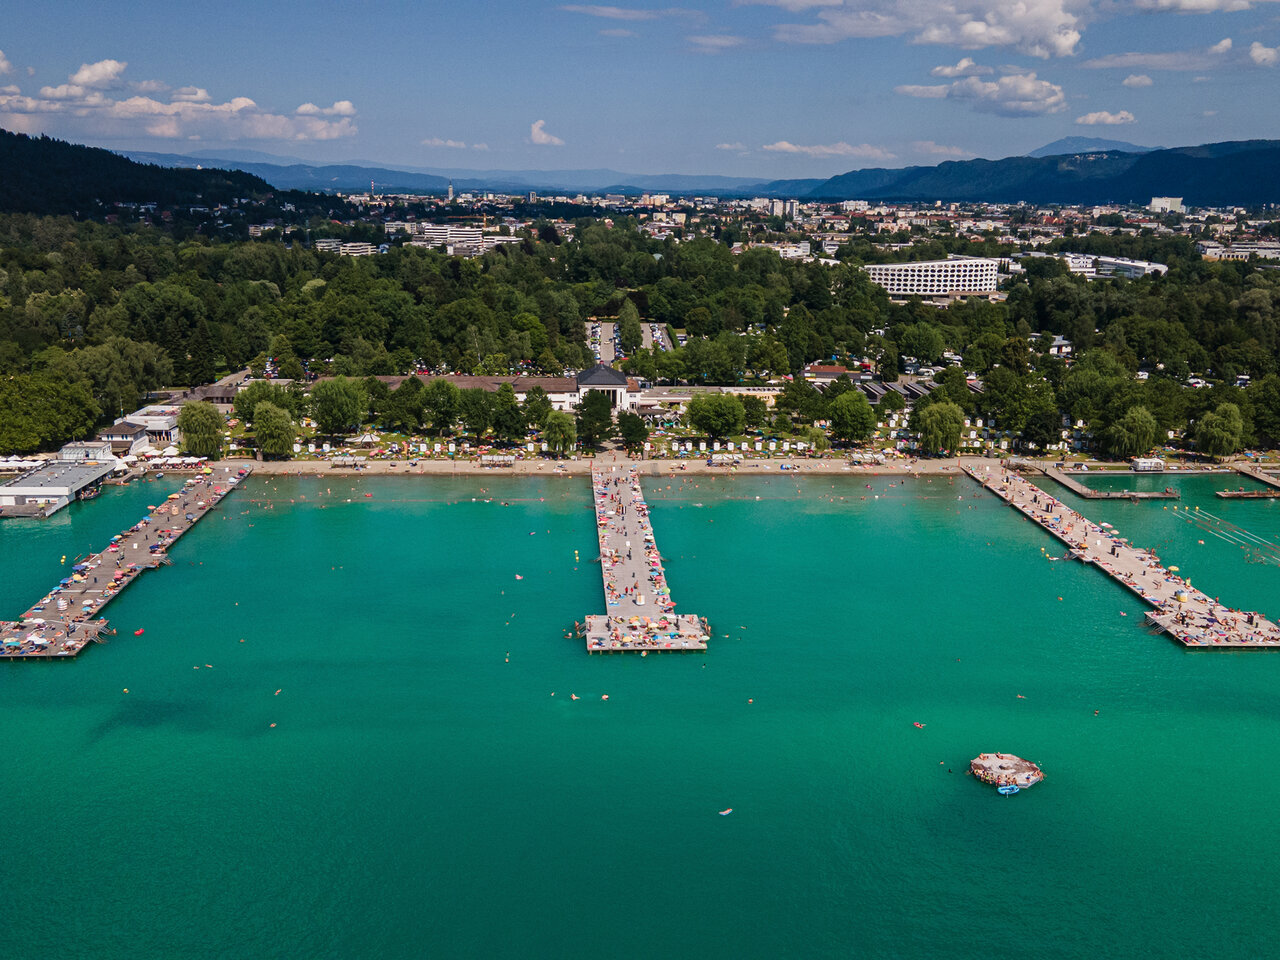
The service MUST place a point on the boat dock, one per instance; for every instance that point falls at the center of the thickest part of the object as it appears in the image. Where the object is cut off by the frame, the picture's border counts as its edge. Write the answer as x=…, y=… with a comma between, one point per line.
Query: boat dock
x=1080, y=490
x=67, y=618
x=640, y=613
x=1189, y=615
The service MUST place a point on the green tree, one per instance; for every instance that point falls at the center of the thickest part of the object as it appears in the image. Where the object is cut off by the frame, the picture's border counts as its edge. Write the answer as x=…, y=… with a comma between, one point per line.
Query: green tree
x=630, y=333
x=1133, y=434
x=338, y=405
x=755, y=410
x=892, y=402
x=595, y=418
x=559, y=433
x=718, y=415
x=632, y=430
x=852, y=418
x=201, y=426
x=1220, y=432
x=40, y=412
x=274, y=429
x=508, y=419
x=536, y=407
x=939, y=425
x=476, y=408
x=442, y=403
x=817, y=439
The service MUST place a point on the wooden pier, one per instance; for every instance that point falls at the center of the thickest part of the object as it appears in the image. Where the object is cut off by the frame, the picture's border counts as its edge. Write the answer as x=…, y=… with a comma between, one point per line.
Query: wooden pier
x=1189, y=615
x=1080, y=490
x=640, y=613
x=1254, y=472
x=67, y=618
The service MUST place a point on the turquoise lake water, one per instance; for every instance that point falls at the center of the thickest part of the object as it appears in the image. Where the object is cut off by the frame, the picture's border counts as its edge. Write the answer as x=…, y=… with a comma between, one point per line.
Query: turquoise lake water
x=421, y=796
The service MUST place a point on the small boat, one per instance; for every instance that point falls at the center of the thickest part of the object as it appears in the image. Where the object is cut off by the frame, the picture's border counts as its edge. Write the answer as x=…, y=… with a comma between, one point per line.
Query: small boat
x=1008, y=789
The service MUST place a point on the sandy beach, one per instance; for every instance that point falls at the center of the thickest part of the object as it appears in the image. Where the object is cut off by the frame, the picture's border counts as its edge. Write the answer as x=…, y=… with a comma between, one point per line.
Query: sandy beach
x=581, y=467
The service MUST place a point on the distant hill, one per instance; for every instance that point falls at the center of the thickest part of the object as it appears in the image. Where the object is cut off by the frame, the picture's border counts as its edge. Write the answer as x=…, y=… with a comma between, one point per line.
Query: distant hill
x=1088, y=145
x=1213, y=174
x=288, y=173
x=46, y=176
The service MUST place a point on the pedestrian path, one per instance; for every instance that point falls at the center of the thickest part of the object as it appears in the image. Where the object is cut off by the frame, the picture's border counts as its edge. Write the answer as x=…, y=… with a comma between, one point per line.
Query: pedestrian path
x=640, y=612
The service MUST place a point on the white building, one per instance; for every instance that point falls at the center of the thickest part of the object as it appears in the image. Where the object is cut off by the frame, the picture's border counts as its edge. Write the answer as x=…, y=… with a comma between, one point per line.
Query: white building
x=955, y=276
x=1124, y=267
x=1165, y=205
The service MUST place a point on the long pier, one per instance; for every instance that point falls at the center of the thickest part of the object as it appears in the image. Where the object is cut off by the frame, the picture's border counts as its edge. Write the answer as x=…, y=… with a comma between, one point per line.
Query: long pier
x=67, y=618
x=640, y=610
x=1080, y=490
x=1188, y=615
x=1254, y=472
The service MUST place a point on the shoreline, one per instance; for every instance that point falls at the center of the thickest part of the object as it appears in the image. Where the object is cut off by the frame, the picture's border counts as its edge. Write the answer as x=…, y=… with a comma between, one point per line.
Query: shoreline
x=581, y=467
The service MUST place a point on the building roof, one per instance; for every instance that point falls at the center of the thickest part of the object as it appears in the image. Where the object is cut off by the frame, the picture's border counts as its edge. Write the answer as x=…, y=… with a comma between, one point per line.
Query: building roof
x=125, y=428
x=602, y=376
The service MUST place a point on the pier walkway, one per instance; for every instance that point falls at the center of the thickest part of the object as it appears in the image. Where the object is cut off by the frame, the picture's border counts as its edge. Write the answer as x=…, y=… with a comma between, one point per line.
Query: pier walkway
x=1189, y=615
x=640, y=611
x=1254, y=472
x=67, y=618
x=1080, y=490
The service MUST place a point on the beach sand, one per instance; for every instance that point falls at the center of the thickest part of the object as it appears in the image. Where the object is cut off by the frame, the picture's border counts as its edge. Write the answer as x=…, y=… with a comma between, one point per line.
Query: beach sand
x=581, y=467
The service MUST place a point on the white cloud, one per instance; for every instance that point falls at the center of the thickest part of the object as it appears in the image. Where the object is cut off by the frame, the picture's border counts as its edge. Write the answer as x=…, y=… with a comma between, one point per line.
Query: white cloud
x=1016, y=95
x=66, y=91
x=841, y=149
x=479, y=146
x=438, y=142
x=1205, y=59
x=731, y=146
x=714, y=43
x=611, y=13
x=939, y=150
x=5, y=65
x=340, y=108
x=618, y=32
x=1137, y=80
x=965, y=68
x=1039, y=28
x=11, y=88
x=1264, y=56
x=1197, y=6
x=1105, y=118
x=104, y=73
x=539, y=135
x=191, y=95
x=83, y=107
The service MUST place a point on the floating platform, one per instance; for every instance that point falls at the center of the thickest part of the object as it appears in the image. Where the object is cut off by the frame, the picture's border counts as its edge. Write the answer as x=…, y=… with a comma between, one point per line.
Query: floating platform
x=1005, y=770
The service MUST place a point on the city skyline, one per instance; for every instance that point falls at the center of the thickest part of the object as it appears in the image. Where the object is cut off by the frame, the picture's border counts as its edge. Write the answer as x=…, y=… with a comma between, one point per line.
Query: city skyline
x=768, y=88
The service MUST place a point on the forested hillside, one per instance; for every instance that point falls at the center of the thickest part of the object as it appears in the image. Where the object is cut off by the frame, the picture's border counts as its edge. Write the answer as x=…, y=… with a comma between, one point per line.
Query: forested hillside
x=46, y=176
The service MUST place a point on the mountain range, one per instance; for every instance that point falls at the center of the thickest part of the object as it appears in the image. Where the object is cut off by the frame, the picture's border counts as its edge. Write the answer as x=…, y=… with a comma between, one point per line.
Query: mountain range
x=42, y=175
x=1071, y=170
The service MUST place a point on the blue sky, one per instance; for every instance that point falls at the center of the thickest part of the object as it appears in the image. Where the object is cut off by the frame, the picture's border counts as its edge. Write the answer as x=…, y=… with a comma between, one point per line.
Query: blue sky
x=768, y=88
